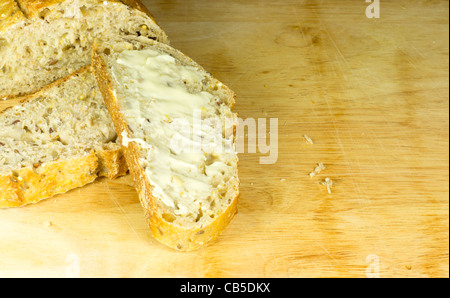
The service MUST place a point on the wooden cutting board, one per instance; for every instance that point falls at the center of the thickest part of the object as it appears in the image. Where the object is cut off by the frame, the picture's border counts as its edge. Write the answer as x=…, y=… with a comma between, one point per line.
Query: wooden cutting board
x=372, y=94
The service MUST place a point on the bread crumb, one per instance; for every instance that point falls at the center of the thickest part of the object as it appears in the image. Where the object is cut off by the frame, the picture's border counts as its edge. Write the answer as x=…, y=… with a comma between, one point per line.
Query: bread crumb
x=328, y=183
x=48, y=223
x=320, y=167
x=283, y=180
x=308, y=140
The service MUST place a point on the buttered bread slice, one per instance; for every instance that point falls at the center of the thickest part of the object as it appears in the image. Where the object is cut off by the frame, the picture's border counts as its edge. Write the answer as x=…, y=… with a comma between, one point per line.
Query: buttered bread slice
x=178, y=135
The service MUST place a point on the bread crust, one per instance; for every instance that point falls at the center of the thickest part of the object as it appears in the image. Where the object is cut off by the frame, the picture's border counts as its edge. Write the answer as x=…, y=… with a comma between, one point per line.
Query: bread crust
x=10, y=14
x=31, y=8
x=21, y=10
x=31, y=185
x=26, y=186
x=111, y=163
x=136, y=4
x=172, y=235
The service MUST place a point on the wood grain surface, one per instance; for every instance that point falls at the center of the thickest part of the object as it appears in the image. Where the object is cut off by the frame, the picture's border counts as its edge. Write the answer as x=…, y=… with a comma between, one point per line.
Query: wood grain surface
x=373, y=95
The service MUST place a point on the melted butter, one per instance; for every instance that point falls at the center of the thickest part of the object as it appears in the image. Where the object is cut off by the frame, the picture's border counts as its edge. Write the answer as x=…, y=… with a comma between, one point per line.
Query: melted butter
x=159, y=101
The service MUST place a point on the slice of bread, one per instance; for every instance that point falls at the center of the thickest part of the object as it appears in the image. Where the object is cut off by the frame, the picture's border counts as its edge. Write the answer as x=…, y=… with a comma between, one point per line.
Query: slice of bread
x=42, y=41
x=56, y=140
x=178, y=135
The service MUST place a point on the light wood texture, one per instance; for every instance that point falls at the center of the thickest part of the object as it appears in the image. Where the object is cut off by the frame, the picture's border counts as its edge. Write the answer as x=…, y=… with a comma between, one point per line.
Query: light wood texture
x=373, y=95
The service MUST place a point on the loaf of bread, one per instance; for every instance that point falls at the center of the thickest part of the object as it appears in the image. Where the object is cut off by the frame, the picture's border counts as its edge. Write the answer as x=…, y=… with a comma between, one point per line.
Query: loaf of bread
x=45, y=40
x=178, y=135
x=56, y=140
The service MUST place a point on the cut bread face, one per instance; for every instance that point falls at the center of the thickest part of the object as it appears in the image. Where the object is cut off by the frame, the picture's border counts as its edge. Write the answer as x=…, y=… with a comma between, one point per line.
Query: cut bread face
x=178, y=132
x=42, y=41
x=55, y=140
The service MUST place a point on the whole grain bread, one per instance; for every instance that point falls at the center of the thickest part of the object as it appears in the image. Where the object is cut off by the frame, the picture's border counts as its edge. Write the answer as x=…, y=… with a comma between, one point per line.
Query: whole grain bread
x=45, y=40
x=189, y=197
x=56, y=140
